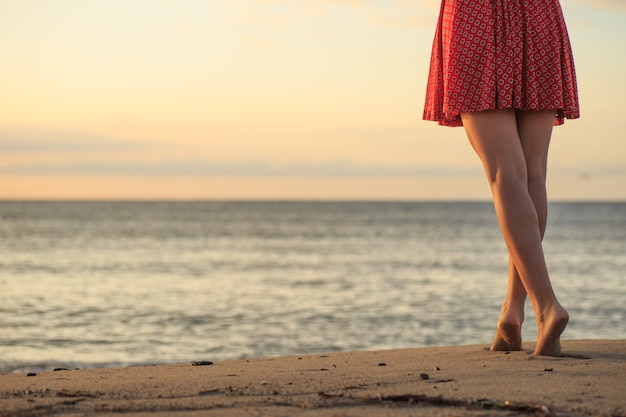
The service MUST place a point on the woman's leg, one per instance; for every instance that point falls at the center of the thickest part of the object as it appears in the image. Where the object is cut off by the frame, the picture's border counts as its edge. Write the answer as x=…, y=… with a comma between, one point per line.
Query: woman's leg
x=535, y=139
x=509, y=330
x=504, y=149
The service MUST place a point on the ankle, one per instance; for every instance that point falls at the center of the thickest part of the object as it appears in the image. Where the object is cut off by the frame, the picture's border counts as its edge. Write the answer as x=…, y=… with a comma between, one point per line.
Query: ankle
x=512, y=311
x=554, y=311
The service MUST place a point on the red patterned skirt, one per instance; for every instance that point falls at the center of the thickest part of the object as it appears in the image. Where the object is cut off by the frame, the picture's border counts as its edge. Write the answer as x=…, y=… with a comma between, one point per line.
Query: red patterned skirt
x=500, y=54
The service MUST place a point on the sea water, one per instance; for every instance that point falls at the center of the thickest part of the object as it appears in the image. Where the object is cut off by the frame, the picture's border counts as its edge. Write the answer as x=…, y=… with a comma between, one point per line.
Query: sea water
x=88, y=284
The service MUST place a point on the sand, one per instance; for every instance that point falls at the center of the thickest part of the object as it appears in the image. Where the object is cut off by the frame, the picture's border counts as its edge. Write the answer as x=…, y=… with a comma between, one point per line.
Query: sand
x=443, y=381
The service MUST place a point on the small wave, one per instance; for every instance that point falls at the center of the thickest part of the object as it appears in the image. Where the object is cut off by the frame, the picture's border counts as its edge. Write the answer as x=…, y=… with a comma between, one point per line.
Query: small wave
x=23, y=367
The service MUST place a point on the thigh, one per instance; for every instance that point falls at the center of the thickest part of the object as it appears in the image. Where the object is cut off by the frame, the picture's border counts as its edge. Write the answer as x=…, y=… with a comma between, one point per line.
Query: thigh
x=494, y=136
x=535, y=131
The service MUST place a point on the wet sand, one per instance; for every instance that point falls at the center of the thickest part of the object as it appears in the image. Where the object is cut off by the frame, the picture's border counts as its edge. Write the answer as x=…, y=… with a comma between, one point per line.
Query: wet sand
x=590, y=380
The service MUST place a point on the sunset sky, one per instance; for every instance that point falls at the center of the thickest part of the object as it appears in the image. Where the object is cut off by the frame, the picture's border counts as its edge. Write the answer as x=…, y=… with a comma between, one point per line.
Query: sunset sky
x=268, y=99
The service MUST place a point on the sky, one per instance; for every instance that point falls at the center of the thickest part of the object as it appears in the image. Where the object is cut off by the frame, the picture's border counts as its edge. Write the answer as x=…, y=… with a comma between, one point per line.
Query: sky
x=268, y=99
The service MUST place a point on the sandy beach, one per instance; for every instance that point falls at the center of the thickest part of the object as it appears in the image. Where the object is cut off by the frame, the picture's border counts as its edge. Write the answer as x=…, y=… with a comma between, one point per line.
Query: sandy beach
x=590, y=380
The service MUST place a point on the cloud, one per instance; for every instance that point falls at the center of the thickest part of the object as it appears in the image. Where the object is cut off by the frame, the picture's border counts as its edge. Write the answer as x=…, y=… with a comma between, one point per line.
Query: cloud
x=605, y=4
x=265, y=168
x=394, y=13
x=406, y=13
x=35, y=141
x=252, y=168
x=342, y=2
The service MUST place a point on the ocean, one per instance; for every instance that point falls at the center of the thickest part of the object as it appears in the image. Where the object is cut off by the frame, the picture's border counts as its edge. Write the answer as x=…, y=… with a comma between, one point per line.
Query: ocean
x=98, y=284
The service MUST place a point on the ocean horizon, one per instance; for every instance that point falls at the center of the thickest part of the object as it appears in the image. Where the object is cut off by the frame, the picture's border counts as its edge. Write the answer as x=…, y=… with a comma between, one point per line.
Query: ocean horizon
x=87, y=283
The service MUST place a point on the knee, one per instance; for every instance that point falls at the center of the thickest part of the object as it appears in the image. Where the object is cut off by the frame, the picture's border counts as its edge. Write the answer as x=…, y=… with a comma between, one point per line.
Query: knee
x=509, y=176
x=536, y=177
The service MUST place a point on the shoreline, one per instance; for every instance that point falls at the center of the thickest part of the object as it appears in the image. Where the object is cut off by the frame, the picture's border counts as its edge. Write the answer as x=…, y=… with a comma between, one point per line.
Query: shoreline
x=432, y=381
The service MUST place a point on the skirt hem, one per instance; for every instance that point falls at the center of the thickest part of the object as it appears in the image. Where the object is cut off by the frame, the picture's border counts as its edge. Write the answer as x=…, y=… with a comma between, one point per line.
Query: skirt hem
x=454, y=119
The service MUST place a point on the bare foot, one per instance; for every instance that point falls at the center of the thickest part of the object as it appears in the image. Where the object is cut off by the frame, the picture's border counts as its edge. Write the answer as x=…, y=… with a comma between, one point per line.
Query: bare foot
x=508, y=337
x=551, y=325
x=509, y=330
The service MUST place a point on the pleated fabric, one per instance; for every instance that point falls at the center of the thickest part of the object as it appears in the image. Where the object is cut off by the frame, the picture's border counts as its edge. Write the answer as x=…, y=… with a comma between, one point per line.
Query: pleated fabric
x=499, y=54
